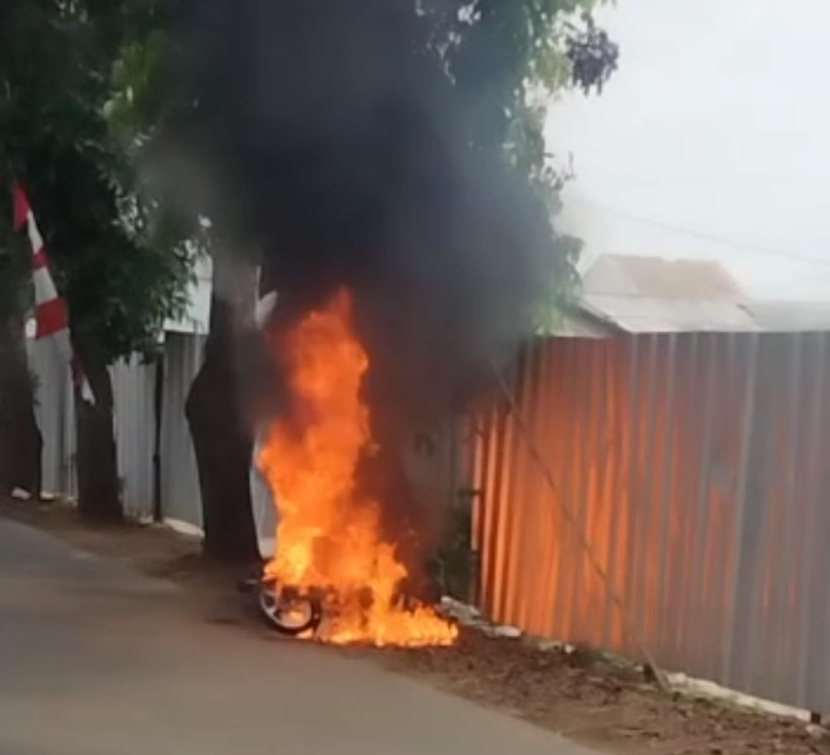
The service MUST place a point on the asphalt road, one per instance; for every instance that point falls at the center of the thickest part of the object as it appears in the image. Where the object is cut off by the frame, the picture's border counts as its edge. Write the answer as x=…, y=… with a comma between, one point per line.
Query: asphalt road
x=97, y=660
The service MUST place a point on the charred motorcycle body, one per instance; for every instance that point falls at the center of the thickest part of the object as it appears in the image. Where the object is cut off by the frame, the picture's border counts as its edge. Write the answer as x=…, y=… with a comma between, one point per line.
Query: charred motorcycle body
x=297, y=612
x=348, y=609
x=285, y=609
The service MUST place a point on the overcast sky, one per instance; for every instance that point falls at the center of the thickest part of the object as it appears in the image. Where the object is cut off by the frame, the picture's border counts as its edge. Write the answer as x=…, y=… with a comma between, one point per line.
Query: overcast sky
x=718, y=121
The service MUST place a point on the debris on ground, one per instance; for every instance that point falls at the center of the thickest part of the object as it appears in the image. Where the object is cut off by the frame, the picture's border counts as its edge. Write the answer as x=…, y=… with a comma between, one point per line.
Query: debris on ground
x=595, y=699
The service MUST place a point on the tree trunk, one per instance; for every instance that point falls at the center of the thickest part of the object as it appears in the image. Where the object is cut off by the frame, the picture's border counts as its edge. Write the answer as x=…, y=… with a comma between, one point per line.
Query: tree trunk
x=20, y=439
x=97, y=462
x=223, y=445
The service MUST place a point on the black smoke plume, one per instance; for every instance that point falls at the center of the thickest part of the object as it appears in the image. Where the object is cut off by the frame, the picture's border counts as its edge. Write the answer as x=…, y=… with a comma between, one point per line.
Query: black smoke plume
x=335, y=143
x=338, y=147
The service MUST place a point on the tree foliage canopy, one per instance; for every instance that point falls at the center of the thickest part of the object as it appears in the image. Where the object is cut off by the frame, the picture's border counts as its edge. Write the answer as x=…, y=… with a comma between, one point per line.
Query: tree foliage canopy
x=85, y=85
x=117, y=261
x=508, y=59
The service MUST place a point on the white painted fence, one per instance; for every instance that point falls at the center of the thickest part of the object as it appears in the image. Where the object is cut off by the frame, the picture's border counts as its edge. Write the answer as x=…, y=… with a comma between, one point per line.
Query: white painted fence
x=134, y=389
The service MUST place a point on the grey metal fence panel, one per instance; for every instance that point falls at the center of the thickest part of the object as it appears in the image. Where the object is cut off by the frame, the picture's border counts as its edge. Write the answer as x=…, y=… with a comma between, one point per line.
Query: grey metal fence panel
x=133, y=384
x=55, y=417
x=181, y=499
x=697, y=467
x=135, y=422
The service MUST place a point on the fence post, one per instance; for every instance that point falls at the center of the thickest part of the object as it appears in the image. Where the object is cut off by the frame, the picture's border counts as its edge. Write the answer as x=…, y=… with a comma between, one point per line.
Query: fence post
x=158, y=403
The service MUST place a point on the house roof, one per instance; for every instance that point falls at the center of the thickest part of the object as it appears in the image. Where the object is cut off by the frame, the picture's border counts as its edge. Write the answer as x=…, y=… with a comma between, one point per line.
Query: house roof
x=652, y=295
x=647, y=294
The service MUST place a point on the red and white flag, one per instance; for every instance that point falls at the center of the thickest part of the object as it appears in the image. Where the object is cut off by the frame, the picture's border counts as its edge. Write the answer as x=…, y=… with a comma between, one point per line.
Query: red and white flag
x=51, y=313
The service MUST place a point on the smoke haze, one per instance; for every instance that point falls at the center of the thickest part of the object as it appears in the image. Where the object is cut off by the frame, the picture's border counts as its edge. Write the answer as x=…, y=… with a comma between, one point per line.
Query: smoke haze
x=338, y=150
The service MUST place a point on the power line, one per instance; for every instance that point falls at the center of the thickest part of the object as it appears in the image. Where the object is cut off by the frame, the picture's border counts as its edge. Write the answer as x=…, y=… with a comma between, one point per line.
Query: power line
x=702, y=235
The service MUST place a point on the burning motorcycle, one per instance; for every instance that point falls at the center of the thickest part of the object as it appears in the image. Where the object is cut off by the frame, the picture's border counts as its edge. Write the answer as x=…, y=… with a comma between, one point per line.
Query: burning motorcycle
x=363, y=587
x=284, y=608
x=288, y=610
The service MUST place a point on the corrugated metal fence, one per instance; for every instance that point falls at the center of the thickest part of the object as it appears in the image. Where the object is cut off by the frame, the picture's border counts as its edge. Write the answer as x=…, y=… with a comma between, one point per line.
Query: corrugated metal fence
x=697, y=466
x=134, y=386
x=180, y=496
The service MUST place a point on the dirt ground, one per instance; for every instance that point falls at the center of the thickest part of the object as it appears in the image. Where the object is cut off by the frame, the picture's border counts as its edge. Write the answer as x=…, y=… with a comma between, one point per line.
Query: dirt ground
x=587, y=699
x=582, y=695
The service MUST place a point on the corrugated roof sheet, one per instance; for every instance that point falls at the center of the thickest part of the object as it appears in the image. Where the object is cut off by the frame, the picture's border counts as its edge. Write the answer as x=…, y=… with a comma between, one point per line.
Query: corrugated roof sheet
x=652, y=315
x=652, y=295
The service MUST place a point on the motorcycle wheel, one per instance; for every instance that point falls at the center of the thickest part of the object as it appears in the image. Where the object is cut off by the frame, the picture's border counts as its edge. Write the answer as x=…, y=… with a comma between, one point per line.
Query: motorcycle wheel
x=287, y=612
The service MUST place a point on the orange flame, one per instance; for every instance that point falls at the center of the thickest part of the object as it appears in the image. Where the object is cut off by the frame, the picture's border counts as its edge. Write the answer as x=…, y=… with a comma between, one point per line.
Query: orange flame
x=326, y=537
